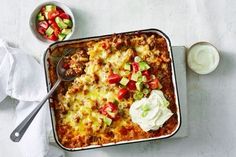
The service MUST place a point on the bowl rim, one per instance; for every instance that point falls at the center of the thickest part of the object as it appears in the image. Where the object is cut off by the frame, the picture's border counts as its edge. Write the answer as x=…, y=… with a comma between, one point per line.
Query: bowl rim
x=32, y=20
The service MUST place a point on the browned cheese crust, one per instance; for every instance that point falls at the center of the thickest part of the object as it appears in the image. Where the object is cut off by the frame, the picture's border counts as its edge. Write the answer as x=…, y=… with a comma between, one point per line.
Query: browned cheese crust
x=76, y=104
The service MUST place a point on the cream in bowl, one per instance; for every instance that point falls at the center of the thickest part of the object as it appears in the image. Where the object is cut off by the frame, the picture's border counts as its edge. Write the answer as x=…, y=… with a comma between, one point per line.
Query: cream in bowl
x=203, y=58
x=152, y=112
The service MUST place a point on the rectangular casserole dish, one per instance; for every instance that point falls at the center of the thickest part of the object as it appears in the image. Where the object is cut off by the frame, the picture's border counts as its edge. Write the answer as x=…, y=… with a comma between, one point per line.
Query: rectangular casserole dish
x=50, y=57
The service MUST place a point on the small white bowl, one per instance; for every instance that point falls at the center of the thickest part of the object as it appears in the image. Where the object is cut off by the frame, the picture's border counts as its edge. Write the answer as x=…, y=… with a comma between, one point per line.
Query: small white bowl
x=203, y=58
x=32, y=21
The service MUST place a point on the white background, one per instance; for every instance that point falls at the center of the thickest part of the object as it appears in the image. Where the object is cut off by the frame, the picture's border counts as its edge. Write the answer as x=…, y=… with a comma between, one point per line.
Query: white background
x=211, y=98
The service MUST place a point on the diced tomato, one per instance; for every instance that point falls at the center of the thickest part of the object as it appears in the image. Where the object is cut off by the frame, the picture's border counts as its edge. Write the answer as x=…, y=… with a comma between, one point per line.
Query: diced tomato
x=41, y=30
x=64, y=16
x=43, y=24
x=53, y=37
x=114, y=78
x=135, y=67
x=154, y=84
x=105, y=45
x=123, y=93
x=43, y=10
x=131, y=85
x=60, y=10
x=66, y=66
x=55, y=28
x=110, y=110
x=146, y=74
x=52, y=14
x=50, y=22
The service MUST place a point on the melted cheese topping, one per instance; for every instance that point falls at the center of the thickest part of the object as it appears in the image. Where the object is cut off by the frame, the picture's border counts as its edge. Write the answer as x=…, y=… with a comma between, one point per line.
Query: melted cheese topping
x=80, y=122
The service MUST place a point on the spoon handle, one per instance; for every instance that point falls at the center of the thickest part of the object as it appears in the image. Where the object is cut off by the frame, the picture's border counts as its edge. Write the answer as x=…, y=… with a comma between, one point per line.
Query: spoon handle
x=17, y=134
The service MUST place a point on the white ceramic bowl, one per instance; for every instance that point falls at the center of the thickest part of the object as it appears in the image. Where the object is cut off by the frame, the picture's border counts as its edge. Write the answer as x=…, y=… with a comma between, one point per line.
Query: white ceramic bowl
x=203, y=58
x=32, y=21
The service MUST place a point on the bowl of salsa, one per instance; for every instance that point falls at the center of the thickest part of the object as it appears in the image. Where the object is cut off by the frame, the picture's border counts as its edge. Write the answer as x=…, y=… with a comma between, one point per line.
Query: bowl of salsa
x=52, y=21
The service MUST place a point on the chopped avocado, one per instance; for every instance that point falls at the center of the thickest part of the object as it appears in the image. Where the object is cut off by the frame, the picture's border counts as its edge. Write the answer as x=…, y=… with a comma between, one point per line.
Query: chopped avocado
x=66, y=31
x=143, y=66
x=144, y=79
x=139, y=85
x=68, y=22
x=124, y=81
x=46, y=15
x=137, y=59
x=136, y=76
x=138, y=95
x=60, y=23
x=61, y=36
x=49, y=31
x=127, y=66
x=40, y=17
x=107, y=120
x=51, y=8
x=146, y=91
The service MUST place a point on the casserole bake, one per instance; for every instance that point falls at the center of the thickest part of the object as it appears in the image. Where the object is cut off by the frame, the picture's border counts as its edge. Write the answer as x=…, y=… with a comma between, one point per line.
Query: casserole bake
x=93, y=110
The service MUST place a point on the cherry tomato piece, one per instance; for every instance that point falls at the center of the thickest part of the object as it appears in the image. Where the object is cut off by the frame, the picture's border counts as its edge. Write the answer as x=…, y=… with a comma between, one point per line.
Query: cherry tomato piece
x=55, y=28
x=109, y=109
x=135, y=67
x=154, y=84
x=146, y=74
x=60, y=10
x=43, y=24
x=123, y=93
x=131, y=85
x=64, y=16
x=114, y=78
x=53, y=37
x=43, y=10
x=41, y=30
x=50, y=22
x=53, y=14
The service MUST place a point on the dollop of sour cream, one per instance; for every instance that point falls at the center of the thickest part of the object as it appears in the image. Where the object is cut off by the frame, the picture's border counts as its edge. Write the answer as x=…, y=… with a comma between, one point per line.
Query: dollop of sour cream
x=203, y=58
x=152, y=112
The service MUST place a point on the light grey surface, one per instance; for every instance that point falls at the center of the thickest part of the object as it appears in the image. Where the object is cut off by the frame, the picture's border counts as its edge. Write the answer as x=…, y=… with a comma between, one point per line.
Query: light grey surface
x=211, y=98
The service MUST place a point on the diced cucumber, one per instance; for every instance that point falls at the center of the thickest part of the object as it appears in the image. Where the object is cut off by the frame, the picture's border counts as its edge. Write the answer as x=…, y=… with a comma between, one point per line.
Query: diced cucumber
x=137, y=59
x=136, y=76
x=61, y=37
x=143, y=66
x=50, y=7
x=40, y=17
x=107, y=120
x=127, y=66
x=68, y=22
x=66, y=31
x=146, y=91
x=139, y=86
x=144, y=79
x=138, y=95
x=49, y=31
x=124, y=81
x=46, y=15
x=60, y=23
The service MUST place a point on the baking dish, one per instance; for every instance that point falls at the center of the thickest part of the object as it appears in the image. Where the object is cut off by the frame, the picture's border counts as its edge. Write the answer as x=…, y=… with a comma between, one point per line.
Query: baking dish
x=60, y=44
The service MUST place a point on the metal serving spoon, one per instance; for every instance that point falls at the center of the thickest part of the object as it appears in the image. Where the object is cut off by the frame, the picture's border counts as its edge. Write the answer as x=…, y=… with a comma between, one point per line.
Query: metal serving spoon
x=17, y=134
